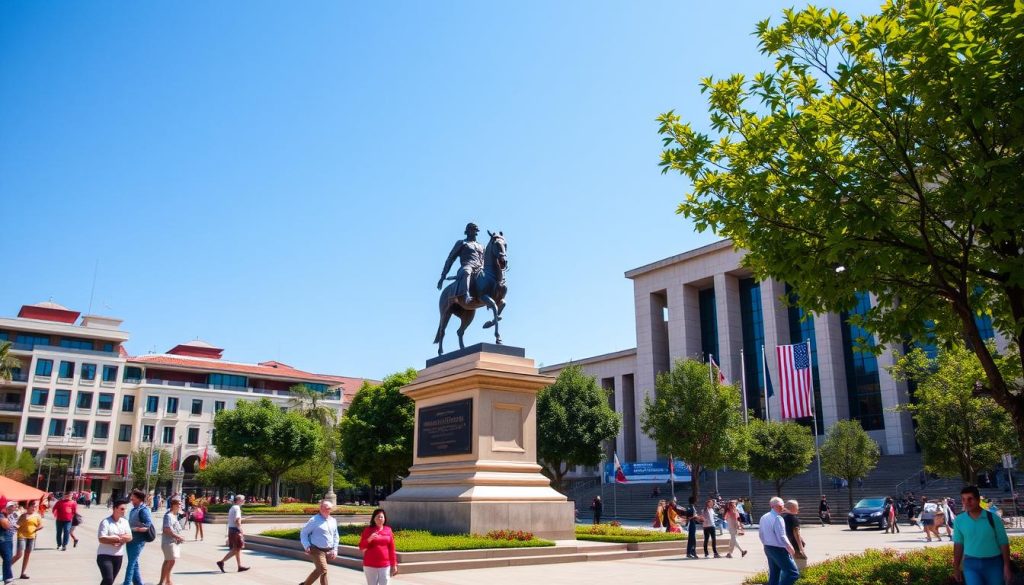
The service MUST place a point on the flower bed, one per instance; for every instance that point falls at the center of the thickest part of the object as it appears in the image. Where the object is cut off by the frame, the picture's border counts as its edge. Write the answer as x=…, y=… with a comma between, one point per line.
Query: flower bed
x=929, y=566
x=423, y=541
x=612, y=533
x=292, y=508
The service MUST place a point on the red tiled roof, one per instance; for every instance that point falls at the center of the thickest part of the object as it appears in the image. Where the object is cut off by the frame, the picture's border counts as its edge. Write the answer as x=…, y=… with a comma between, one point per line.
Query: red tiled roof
x=278, y=370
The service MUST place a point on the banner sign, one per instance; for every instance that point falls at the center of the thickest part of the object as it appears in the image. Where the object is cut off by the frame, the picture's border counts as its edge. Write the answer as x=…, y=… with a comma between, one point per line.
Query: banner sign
x=648, y=471
x=154, y=463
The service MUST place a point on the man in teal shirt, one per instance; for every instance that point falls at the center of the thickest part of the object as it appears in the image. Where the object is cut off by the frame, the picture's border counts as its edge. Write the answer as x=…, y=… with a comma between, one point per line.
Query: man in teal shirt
x=981, y=550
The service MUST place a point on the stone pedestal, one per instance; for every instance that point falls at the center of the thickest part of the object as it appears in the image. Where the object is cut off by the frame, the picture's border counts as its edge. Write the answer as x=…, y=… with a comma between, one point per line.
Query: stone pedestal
x=475, y=449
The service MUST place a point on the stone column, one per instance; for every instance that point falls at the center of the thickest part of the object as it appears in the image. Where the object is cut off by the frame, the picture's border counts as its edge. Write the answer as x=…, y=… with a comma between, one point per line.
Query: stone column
x=828, y=336
x=649, y=338
x=775, y=315
x=683, y=322
x=899, y=426
x=730, y=326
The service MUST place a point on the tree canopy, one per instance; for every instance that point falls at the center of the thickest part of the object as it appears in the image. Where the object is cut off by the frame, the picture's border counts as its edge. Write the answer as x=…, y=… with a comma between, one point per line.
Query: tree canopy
x=15, y=465
x=376, y=430
x=849, y=453
x=8, y=362
x=778, y=451
x=696, y=419
x=233, y=473
x=960, y=434
x=274, y=440
x=886, y=153
x=140, y=466
x=573, y=421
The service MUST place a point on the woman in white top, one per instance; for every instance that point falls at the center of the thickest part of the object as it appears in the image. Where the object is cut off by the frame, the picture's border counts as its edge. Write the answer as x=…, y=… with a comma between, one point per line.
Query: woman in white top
x=734, y=523
x=113, y=533
x=170, y=540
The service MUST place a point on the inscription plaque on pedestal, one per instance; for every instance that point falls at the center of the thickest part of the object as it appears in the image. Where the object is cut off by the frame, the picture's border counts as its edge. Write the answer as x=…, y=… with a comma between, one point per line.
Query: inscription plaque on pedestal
x=445, y=429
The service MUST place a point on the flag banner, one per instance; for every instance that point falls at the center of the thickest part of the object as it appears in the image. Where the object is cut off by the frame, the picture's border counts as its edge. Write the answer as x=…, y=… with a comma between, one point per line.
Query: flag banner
x=154, y=463
x=121, y=464
x=175, y=462
x=714, y=367
x=795, y=380
x=620, y=476
x=649, y=471
x=203, y=460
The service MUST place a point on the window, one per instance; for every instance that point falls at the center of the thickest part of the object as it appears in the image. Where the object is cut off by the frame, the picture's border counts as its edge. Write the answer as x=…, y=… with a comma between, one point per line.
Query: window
x=707, y=307
x=88, y=371
x=127, y=403
x=101, y=430
x=109, y=373
x=152, y=403
x=147, y=433
x=108, y=347
x=106, y=401
x=34, y=427
x=84, y=400
x=79, y=429
x=172, y=405
x=124, y=433
x=57, y=427
x=29, y=340
x=862, y=385
x=227, y=381
x=132, y=374
x=40, y=396
x=168, y=436
x=752, y=327
x=62, y=398
x=197, y=406
x=218, y=406
x=76, y=343
x=44, y=367
x=193, y=436
x=98, y=460
x=321, y=388
x=67, y=370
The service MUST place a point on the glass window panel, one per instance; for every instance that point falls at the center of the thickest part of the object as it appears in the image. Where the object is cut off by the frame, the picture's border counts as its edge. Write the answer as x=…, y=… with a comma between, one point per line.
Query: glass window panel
x=40, y=396
x=84, y=400
x=44, y=367
x=62, y=398
x=88, y=371
x=101, y=430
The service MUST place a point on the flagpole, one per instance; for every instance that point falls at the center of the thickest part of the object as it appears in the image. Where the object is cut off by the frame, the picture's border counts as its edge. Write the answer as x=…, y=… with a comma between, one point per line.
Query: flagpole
x=764, y=371
x=814, y=414
x=672, y=475
x=743, y=390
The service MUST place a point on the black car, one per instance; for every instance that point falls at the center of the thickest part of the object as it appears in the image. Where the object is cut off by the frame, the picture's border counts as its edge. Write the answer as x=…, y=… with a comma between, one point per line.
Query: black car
x=868, y=512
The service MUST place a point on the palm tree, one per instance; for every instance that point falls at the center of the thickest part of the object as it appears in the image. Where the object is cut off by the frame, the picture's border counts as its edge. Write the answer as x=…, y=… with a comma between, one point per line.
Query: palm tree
x=307, y=401
x=8, y=363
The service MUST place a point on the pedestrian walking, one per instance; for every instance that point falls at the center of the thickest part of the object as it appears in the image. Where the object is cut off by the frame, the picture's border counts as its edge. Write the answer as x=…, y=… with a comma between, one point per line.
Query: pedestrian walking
x=892, y=521
x=377, y=542
x=319, y=539
x=734, y=522
x=777, y=547
x=981, y=550
x=170, y=540
x=140, y=519
x=64, y=512
x=597, y=506
x=8, y=536
x=928, y=510
x=114, y=533
x=236, y=539
x=690, y=514
x=947, y=509
x=792, y=520
x=659, y=513
x=29, y=524
x=708, y=520
x=824, y=511
x=198, y=518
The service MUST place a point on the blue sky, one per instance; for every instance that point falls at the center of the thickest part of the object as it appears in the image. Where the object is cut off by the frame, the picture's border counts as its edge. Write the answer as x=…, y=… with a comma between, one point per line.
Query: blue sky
x=285, y=180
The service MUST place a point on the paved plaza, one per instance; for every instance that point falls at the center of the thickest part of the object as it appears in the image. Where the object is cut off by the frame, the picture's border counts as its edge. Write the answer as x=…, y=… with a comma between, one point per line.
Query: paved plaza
x=196, y=567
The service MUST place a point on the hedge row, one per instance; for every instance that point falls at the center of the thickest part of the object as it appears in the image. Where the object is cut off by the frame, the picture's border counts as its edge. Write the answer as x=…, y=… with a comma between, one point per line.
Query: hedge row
x=611, y=533
x=421, y=540
x=295, y=508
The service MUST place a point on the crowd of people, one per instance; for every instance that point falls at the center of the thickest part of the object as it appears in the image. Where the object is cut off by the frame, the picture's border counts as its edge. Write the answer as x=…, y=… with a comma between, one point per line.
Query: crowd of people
x=716, y=516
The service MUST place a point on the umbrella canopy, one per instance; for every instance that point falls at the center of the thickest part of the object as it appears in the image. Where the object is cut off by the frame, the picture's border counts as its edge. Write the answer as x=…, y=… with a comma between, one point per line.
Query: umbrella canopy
x=15, y=490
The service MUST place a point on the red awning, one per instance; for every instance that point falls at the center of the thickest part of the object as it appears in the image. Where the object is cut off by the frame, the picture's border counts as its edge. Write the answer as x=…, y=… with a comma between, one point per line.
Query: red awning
x=14, y=490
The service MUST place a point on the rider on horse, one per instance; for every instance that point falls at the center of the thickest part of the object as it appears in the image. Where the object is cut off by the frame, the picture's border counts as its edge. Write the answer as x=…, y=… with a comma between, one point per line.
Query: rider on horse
x=471, y=262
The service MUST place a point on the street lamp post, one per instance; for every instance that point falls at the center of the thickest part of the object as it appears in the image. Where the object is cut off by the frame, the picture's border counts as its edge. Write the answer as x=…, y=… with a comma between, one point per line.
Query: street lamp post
x=331, y=496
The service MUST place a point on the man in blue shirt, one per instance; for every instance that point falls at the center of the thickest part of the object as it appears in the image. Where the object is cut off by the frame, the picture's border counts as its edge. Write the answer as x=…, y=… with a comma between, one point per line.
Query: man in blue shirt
x=319, y=538
x=140, y=519
x=981, y=550
x=772, y=531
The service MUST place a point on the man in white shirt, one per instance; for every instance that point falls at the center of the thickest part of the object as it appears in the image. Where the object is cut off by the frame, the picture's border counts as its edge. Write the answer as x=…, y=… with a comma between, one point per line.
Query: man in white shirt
x=319, y=538
x=772, y=531
x=235, y=538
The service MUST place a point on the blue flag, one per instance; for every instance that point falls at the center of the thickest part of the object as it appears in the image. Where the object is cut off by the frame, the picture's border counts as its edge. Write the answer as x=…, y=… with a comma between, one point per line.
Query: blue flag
x=154, y=463
x=768, y=381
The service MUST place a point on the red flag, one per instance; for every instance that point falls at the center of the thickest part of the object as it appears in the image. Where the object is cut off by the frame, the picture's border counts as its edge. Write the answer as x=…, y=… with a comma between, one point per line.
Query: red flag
x=202, y=461
x=620, y=476
x=721, y=376
x=174, y=462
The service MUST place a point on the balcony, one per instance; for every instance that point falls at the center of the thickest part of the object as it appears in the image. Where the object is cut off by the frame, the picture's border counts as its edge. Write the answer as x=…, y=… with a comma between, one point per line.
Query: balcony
x=59, y=349
x=336, y=395
x=17, y=378
x=10, y=407
x=69, y=441
x=84, y=382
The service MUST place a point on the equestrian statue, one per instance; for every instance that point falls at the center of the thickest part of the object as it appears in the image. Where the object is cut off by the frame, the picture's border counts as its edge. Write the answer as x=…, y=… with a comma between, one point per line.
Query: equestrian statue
x=479, y=282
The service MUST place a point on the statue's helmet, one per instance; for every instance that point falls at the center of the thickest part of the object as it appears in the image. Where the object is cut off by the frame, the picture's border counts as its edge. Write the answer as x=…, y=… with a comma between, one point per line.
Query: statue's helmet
x=472, y=227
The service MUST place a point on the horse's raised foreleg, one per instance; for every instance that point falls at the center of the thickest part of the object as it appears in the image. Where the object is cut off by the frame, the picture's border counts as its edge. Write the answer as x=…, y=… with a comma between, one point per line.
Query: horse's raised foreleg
x=493, y=306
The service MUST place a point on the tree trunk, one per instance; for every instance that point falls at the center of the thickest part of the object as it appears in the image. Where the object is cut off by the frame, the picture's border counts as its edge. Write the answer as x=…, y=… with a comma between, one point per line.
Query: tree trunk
x=275, y=494
x=695, y=471
x=849, y=490
x=778, y=488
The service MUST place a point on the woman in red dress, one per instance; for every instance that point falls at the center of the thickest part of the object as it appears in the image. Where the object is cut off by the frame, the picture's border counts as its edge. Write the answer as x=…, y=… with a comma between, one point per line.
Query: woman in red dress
x=380, y=562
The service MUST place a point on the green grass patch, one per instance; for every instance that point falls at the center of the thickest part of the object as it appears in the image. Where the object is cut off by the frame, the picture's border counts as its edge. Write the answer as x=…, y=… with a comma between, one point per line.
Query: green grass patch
x=609, y=533
x=420, y=540
x=929, y=566
x=295, y=508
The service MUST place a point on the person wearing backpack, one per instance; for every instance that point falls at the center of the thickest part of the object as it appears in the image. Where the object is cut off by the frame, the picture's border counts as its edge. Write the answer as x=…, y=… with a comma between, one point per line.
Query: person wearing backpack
x=143, y=531
x=981, y=549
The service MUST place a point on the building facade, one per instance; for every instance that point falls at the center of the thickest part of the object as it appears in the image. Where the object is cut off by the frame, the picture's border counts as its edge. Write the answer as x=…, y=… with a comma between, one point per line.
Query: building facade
x=703, y=304
x=83, y=405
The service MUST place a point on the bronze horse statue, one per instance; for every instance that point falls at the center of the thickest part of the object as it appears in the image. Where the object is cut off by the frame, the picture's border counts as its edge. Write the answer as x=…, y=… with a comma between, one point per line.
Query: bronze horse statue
x=487, y=289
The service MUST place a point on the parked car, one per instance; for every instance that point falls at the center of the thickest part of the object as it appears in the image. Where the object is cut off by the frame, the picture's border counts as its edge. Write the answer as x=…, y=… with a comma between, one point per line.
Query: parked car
x=868, y=512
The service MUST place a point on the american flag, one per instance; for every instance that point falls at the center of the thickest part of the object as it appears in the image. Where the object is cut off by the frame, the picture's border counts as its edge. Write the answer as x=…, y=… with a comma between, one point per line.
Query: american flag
x=795, y=380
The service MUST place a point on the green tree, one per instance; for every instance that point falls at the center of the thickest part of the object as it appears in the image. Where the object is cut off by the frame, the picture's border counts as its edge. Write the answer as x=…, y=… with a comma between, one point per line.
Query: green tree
x=8, y=362
x=376, y=430
x=273, y=439
x=16, y=465
x=696, y=419
x=232, y=473
x=960, y=434
x=848, y=453
x=140, y=467
x=308, y=402
x=884, y=153
x=573, y=421
x=778, y=451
